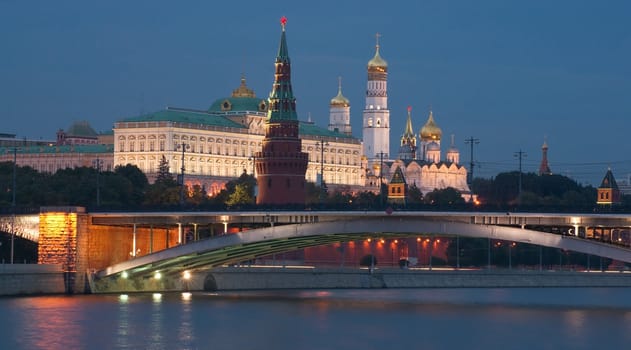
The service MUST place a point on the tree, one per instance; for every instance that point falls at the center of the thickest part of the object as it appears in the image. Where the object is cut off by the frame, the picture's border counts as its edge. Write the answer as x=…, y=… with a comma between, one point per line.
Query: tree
x=240, y=196
x=444, y=197
x=164, y=176
x=414, y=196
x=165, y=190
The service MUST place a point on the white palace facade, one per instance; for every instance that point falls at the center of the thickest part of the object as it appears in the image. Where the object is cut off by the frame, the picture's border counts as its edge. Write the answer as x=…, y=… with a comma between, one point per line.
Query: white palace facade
x=218, y=145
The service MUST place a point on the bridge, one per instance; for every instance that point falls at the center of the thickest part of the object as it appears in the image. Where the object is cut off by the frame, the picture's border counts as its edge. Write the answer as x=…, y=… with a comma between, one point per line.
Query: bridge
x=140, y=246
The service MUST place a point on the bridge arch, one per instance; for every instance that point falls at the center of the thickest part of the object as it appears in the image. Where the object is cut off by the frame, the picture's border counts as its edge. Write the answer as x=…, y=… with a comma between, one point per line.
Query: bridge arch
x=243, y=246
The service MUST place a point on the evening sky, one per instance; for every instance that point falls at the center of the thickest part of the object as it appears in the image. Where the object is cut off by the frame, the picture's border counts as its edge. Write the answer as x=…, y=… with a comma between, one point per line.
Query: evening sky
x=509, y=73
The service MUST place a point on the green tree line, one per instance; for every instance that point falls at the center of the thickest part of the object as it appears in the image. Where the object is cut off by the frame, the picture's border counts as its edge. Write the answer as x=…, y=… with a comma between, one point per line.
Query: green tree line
x=127, y=188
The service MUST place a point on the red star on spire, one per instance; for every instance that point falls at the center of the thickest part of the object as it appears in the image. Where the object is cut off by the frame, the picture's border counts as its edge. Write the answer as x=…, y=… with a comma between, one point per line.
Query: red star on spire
x=409, y=109
x=283, y=21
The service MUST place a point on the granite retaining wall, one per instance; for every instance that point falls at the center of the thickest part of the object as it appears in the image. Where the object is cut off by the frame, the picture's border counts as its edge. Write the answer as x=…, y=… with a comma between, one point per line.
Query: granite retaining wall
x=32, y=279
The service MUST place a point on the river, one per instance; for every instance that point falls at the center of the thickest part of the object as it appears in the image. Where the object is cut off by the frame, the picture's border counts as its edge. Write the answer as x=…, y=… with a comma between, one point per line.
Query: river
x=518, y=318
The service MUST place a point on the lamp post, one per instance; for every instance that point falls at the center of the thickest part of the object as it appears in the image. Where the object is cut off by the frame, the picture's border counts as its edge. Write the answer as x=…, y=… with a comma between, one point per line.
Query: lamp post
x=255, y=189
x=184, y=146
x=97, y=164
x=252, y=158
x=322, y=185
x=15, y=152
x=381, y=154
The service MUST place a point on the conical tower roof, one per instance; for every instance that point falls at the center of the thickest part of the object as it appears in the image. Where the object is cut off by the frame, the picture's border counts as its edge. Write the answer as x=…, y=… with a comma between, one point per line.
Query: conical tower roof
x=408, y=136
x=281, y=102
x=609, y=181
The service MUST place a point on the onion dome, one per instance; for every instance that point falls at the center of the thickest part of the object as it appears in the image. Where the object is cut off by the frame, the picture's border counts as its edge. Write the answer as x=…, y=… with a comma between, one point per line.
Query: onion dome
x=377, y=64
x=431, y=131
x=340, y=100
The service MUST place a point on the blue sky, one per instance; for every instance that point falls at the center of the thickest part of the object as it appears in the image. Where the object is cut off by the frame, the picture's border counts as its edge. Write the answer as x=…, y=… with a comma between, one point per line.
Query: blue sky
x=509, y=73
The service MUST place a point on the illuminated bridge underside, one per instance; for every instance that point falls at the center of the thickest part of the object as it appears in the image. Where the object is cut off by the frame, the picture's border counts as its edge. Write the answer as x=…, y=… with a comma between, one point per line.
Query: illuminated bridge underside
x=23, y=226
x=235, y=248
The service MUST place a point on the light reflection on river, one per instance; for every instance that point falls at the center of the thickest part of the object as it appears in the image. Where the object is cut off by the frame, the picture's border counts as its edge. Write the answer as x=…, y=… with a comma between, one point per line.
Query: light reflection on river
x=550, y=318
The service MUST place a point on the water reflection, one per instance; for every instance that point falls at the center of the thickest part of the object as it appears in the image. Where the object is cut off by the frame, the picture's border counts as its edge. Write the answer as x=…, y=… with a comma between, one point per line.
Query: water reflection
x=340, y=319
x=51, y=323
x=123, y=327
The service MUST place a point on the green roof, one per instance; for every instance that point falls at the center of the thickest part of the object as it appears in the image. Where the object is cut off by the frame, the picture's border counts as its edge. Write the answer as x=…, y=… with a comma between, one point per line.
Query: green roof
x=60, y=149
x=238, y=104
x=307, y=128
x=182, y=116
x=81, y=128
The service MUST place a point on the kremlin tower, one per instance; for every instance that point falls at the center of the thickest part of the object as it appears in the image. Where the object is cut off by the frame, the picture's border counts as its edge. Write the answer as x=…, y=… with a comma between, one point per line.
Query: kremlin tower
x=544, y=168
x=281, y=165
x=340, y=112
x=408, y=140
x=376, y=123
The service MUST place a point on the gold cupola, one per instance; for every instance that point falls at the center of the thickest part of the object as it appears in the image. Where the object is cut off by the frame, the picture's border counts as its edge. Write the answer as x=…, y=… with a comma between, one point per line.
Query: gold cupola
x=431, y=131
x=243, y=90
x=340, y=100
x=377, y=64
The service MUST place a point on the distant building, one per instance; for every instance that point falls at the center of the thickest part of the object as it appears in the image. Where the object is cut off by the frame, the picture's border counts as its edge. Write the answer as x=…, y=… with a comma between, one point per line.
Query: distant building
x=608, y=192
x=78, y=146
x=544, y=168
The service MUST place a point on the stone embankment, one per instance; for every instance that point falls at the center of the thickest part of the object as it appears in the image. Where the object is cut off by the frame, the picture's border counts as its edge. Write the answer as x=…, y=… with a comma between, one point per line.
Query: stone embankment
x=287, y=278
x=32, y=279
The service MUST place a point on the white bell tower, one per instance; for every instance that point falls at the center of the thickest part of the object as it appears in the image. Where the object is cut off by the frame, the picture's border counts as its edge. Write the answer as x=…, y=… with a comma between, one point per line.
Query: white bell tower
x=376, y=116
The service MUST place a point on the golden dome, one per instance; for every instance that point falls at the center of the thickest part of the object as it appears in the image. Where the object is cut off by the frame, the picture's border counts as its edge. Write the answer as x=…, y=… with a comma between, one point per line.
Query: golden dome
x=377, y=63
x=431, y=131
x=243, y=90
x=340, y=100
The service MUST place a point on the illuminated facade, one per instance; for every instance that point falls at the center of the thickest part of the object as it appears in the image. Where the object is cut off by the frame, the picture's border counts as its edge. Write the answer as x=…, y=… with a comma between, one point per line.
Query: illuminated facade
x=376, y=116
x=79, y=146
x=423, y=167
x=608, y=191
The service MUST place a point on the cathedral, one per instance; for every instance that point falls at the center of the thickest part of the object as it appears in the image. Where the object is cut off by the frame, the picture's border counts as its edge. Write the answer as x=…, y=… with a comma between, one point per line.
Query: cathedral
x=418, y=164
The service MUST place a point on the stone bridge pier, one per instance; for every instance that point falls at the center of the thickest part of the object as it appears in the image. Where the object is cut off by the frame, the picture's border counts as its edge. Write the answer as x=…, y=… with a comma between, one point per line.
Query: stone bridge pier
x=68, y=238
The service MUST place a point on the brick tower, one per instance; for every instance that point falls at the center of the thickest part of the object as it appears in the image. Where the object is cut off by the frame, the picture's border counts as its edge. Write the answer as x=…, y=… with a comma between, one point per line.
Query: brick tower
x=281, y=165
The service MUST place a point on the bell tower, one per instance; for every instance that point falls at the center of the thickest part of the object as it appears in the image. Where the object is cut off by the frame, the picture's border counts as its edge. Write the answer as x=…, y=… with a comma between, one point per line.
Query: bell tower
x=376, y=116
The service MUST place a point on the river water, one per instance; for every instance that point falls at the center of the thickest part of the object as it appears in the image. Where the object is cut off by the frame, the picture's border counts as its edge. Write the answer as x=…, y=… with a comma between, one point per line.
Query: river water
x=519, y=318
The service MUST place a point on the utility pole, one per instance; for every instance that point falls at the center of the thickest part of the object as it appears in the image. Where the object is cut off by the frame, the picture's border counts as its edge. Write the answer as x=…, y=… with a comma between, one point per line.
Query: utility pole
x=381, y=154
x=471, y=141
x=15, y=153
x=519, y=154
x=97, y=163
x=184, y=147
x=322, y=185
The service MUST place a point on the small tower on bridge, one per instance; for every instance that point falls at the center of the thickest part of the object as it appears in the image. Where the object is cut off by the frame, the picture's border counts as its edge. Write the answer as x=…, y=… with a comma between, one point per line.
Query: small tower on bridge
x=397, y=188
x=608, y=192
